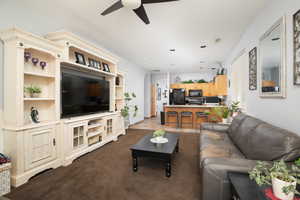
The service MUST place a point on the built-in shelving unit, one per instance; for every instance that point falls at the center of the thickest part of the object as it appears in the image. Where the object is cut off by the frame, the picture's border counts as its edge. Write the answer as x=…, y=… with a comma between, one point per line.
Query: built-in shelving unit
x=43, y=78
x=32, y=60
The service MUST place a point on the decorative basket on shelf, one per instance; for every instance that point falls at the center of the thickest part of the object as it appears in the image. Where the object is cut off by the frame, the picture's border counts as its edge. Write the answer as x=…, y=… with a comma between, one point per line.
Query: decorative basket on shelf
x=5, y=178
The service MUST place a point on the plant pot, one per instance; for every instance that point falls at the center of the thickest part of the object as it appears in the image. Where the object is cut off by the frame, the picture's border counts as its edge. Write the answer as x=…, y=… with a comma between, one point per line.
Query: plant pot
x=234, y=114
x=34, y=95
x=277, y=186
x=224, y=120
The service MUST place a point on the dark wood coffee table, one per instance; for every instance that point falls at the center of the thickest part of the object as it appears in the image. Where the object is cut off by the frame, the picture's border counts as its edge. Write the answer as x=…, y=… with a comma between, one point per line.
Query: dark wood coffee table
x=145, y=148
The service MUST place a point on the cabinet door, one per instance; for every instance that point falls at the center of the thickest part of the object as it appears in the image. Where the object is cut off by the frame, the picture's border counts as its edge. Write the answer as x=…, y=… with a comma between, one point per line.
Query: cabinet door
x=78, y=133
x=40, y=146
x=119, y=124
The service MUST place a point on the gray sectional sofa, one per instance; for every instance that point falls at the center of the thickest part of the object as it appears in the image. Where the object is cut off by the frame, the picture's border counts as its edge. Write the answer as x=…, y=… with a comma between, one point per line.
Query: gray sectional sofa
x=237, y=148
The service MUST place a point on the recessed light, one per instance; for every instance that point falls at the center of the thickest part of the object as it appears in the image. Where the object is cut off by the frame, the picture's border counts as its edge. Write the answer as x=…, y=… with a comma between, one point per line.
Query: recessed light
x=172, y=50
x=203, y=46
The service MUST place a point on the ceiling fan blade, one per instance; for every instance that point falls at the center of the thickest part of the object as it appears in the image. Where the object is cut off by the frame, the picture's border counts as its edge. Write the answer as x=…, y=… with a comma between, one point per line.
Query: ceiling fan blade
x=113, y=8
x=157, y=1
x=141, y=13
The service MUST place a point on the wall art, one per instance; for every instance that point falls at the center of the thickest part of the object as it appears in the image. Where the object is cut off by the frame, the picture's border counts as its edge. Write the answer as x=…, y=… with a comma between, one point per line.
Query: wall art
x=253, y=69
x=296, y=22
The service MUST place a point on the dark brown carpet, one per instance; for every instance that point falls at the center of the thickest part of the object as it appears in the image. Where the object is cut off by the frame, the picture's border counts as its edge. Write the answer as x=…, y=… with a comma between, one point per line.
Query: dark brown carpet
x=106, y=174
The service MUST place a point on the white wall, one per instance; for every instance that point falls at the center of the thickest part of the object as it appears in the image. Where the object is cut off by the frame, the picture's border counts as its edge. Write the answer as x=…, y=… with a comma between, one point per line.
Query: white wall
x=134, y=82
x=208, y=76
x=281, y=112
x=37, y=17
x=1, y=95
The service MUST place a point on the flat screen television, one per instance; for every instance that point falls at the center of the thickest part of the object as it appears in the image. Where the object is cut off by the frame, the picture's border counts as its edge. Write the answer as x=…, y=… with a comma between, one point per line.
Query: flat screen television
x=83, y=94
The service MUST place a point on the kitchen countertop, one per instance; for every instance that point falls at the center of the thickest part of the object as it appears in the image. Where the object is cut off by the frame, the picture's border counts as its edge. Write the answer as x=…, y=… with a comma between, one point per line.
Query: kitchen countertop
x=192, y=106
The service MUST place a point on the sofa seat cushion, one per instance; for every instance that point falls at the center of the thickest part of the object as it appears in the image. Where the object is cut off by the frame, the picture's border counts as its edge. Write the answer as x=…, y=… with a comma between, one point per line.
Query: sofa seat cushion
x=217, y=145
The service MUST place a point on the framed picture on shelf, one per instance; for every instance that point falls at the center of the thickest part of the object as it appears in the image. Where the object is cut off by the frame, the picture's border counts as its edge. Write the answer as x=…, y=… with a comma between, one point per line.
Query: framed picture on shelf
x=98, y=64
x=106, y=67
x=253, y=69
x=296, y=34
x=80, y=58
x=92, y=63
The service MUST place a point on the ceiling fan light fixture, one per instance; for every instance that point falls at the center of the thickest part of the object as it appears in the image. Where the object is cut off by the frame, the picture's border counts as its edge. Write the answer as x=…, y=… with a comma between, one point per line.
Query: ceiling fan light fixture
x=132, y=4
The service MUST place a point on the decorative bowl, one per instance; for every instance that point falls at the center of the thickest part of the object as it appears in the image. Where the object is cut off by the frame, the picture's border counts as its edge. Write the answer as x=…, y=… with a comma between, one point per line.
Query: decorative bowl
x=159, y=140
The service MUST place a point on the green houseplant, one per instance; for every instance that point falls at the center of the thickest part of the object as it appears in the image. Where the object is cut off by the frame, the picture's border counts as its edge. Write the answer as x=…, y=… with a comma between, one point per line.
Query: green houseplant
x=33, y=91
x=125, y=112
x=188, y=82
x=234, y=108
x=222, y=112
x=159, y=133
x=281, y=176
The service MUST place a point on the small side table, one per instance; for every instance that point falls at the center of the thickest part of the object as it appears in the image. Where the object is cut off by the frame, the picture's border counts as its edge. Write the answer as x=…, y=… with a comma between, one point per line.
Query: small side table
x=243, y=188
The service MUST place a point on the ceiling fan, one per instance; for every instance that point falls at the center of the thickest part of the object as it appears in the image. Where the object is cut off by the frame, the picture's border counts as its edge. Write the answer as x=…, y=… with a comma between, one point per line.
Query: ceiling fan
x=136, y=5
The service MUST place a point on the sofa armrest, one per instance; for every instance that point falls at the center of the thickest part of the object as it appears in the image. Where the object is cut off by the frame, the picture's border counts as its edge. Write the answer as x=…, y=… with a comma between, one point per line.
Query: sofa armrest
x=214, y=180
x=215, y=127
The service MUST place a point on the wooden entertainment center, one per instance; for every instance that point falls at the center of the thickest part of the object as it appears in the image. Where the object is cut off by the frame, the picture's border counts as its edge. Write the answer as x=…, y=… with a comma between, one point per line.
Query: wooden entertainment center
x=53, y=142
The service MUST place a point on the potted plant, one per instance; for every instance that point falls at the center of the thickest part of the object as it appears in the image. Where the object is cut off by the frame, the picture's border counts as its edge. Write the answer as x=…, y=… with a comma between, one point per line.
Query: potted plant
x=222, y=112
x=33, y=91
x=159, y=134
x=282, y=177
x=125, y=112
x=234, y=108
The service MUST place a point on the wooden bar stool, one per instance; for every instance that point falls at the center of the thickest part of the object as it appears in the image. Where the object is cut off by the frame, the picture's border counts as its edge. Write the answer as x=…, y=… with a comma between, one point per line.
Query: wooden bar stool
x=172, y=114
x=201, y=115
x=186, y=114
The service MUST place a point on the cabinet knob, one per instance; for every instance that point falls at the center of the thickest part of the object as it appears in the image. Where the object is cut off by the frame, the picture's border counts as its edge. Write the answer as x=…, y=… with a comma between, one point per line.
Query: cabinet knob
x=54, y=142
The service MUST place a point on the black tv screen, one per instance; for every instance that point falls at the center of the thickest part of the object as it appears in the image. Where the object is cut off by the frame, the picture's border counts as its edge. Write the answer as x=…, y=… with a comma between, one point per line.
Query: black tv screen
x=83, y=94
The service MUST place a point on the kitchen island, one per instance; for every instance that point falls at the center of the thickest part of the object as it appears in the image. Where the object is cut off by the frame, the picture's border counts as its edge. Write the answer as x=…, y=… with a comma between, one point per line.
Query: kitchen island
x=195, y=121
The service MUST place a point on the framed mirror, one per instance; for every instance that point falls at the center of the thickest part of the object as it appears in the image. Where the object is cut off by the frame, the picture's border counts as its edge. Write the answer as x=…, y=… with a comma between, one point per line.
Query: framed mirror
x=272, y=53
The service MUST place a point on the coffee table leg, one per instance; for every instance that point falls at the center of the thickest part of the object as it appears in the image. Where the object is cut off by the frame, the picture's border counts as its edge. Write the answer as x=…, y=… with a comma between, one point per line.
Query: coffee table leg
x=168, y=168
x=135, y=163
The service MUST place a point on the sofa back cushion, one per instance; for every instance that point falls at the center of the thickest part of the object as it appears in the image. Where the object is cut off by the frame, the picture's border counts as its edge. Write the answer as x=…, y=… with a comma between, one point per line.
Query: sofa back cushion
x=243, y=134
x=258, y=140
x=237, y=121
x=270, y=143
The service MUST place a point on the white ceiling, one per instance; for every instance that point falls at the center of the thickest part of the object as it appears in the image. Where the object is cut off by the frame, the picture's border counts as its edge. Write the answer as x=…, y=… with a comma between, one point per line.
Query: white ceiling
x=184, y=25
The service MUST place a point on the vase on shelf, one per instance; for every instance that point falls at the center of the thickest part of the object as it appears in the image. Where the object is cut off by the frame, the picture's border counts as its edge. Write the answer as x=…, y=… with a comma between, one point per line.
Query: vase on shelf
x=43, y=64
x=34, y=95
x=27, y=56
